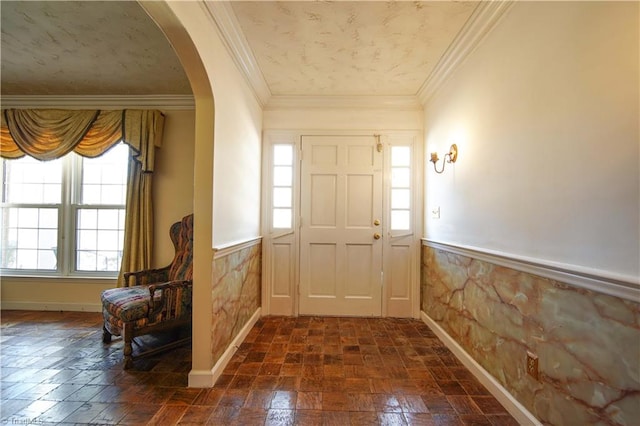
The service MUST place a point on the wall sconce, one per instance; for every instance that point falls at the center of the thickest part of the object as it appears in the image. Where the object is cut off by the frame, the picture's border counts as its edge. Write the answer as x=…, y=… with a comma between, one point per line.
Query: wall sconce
x=452, y=154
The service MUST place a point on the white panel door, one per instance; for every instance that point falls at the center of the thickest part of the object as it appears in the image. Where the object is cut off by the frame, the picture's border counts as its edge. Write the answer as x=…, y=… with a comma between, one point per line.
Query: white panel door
x=340, y=235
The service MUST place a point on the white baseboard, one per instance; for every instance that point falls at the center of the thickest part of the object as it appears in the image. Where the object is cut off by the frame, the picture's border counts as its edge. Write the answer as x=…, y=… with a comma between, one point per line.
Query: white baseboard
x=201, y=379
x=48, y=306
x=207, y=378
x=517, y=410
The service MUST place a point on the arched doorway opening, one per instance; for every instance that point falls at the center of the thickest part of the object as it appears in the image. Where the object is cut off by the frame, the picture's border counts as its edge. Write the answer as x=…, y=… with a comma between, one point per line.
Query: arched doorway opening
x=175, y=29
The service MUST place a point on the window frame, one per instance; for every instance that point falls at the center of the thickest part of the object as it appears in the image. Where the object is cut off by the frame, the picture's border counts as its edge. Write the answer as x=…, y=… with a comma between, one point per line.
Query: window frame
x=68, y=224
x=272, y=187
x=411, y=210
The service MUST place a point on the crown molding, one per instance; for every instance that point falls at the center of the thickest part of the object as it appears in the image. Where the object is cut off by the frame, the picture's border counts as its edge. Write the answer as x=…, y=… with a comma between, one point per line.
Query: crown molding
x=237, y=45
x=480, y=23
x=166, y=102
x=360, y=102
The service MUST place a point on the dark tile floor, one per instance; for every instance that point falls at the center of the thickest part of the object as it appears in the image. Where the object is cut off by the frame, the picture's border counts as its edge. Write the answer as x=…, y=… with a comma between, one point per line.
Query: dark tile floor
x=303, y=371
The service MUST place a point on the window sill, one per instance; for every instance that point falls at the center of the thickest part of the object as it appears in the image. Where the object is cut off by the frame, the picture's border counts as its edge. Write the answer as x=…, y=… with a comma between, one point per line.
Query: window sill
x=58, y=278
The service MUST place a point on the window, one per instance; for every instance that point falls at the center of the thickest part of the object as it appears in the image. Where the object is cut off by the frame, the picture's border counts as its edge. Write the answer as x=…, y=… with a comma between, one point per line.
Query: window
x=400, y=188
x=65, y=216
x=282, y=197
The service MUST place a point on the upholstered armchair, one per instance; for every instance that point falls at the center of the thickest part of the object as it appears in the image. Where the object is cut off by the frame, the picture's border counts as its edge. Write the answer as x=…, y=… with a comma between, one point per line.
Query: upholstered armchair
x=153, y=300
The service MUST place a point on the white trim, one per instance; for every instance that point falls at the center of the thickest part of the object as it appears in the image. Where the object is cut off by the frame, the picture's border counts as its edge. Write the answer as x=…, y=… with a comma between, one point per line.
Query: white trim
x=517, y=410
x=227, y=249
x=225, y=19
x=166, y=102
x=201, y=379
x=28, y=279
x=49, y=306
x=482, y=21
x=401, y=103
x=207, y=378
x=278, y=305
x=622, y=286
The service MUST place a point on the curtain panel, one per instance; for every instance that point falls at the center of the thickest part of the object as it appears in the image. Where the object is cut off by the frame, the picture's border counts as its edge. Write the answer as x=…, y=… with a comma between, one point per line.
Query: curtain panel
x=47, y=134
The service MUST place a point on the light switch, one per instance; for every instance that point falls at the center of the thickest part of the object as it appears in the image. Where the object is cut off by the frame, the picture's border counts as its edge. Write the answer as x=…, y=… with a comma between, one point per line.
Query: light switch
x=435, y=213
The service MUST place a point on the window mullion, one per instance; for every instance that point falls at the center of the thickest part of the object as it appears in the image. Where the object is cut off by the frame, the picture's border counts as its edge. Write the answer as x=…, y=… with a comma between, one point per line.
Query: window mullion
x=70, y=198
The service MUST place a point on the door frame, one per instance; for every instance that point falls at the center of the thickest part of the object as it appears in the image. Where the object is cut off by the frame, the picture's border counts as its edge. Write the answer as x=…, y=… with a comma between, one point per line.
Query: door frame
x=281, y=248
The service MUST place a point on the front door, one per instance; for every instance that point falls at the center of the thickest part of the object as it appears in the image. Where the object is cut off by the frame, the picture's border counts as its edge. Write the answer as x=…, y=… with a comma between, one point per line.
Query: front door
x=340, y=233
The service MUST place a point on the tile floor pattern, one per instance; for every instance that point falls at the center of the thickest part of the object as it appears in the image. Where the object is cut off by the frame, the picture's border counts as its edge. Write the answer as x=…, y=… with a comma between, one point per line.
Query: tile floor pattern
x=303, y=371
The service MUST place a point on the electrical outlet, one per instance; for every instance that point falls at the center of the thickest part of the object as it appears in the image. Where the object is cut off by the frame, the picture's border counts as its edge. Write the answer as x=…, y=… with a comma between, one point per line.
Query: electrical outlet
x=532, y=365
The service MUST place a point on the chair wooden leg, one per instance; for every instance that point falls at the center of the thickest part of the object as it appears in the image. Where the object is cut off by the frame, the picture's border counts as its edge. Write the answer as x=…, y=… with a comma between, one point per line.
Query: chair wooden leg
x=127, y=337
x=106, y=336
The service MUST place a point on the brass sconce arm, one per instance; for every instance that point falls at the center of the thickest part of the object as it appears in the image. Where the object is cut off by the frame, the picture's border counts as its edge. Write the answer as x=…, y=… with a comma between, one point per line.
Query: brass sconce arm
x=449, y=157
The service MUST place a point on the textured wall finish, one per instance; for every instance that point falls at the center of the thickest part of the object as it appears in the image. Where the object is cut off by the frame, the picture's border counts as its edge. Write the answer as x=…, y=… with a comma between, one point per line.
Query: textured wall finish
x=588, y=343
x=235, y=295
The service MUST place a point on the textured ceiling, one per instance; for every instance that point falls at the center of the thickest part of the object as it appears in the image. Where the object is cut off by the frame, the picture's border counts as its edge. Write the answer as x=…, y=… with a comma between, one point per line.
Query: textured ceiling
x=85, y=48
x=301, y=47
x=349, y=48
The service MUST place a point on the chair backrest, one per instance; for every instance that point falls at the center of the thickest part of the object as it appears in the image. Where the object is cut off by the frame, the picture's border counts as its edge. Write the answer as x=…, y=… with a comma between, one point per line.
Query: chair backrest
x=182, y=237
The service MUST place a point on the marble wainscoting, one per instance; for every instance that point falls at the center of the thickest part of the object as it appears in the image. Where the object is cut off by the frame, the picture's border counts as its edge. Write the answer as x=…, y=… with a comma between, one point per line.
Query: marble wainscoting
x=587, y=343
x=235, y=294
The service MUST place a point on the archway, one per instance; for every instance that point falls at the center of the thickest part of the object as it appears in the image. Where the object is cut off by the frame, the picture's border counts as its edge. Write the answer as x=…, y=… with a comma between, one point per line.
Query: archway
x=175, y=29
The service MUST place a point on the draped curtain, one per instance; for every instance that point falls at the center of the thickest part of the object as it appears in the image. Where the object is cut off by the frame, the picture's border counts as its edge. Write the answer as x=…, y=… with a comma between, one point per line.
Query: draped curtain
x=49, y=134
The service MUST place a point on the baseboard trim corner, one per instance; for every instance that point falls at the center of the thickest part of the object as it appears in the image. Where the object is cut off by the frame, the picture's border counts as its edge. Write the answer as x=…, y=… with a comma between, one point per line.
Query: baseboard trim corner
x=201, y=379
x=517, y=410
x=207, y=378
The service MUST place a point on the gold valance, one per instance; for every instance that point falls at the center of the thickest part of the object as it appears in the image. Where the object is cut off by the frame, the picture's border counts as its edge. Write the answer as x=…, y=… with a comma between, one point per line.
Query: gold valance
x=46, y=134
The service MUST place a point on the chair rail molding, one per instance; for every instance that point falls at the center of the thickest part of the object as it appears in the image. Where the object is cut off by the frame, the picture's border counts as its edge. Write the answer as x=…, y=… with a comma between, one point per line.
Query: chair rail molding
x=622, y=286
x=228, y=248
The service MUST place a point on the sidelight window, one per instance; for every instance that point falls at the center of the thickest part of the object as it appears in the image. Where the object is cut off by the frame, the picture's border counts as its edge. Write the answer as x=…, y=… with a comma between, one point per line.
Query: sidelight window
x=401, y=188
x=282, y=196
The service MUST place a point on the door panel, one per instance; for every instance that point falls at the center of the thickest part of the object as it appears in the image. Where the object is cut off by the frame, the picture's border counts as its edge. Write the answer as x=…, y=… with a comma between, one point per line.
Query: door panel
x=400, y=272
x=360, y=199
x=359, y=260
x=341, y=197
x=281, y=267
x=322, y=270
x=323, y=200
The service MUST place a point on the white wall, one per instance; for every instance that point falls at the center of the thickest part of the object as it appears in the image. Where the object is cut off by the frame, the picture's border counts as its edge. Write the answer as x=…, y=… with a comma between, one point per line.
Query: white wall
x=237, y=161
x=347, y=118
x=545, y=115
x=237, y=134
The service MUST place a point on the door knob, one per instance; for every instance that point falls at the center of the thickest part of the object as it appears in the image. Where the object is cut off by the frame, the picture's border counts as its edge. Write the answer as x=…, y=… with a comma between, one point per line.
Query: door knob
x=376, y=222
x=376, y=236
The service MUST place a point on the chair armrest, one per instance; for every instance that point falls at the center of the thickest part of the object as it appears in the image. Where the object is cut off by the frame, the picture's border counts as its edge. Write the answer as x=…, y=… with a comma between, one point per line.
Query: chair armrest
x=147, y=276
x=170, y=305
